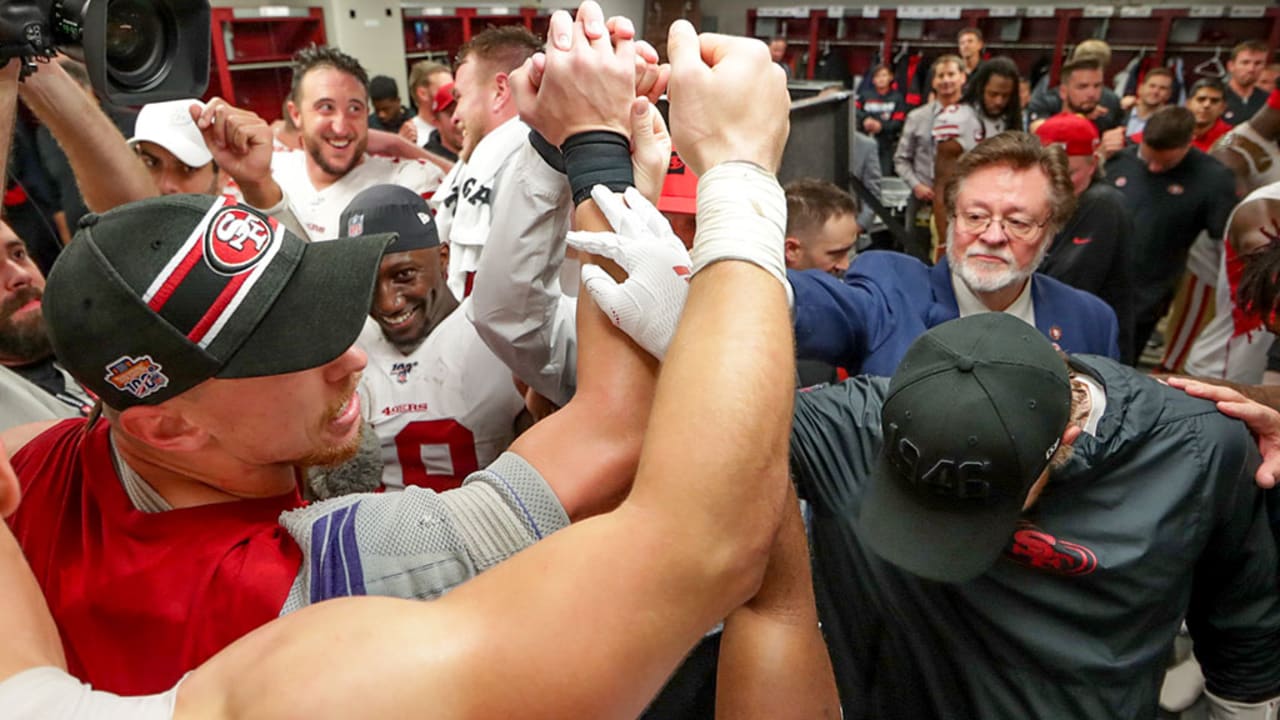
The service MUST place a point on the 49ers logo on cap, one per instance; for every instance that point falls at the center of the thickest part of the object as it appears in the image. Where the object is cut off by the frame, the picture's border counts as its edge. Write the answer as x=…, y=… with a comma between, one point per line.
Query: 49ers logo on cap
x=235, y=240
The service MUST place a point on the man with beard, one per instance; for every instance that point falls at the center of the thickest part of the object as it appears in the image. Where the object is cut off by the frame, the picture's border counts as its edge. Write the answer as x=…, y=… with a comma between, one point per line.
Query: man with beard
x=492, y=134
x=32, y=385
x=221, y=349
x=329, y=102
x=1001, y=532
x=441, y=403
x=1008, y=198
x=1176, y=192
x=989, y=107
x=1083, y=92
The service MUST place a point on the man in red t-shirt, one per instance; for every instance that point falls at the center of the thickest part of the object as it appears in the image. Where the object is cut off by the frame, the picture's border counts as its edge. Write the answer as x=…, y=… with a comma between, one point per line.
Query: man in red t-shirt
x=220, y=346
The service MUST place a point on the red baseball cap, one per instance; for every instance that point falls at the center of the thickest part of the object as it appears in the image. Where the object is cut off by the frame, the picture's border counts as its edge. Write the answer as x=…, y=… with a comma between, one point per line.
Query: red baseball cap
x=680, y=189
x=443, y=98
x=1076, y=134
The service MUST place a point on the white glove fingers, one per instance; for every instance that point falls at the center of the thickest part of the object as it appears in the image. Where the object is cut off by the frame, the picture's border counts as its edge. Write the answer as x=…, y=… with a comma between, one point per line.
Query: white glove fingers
x=598, y=243
x=648, y=215
x=615, y=211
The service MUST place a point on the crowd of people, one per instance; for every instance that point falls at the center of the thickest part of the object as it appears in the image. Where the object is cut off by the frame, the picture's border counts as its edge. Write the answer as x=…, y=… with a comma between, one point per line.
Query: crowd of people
x=504, y=406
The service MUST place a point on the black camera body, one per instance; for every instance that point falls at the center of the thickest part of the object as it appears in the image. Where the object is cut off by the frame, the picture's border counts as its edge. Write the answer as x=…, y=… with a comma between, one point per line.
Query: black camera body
x=136, y=51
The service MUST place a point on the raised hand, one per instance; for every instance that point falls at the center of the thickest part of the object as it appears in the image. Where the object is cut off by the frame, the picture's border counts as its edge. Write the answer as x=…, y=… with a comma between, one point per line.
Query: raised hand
x=241, y=143
x=729, y=100
x=584, y=81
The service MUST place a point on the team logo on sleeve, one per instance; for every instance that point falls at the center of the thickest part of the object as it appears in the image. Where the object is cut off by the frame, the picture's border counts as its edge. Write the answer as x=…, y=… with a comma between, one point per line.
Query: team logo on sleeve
x=235, y=240
x=139, y=377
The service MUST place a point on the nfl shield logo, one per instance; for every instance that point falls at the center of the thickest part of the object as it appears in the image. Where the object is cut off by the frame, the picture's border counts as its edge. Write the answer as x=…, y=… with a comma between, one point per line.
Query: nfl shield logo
x=355, y=225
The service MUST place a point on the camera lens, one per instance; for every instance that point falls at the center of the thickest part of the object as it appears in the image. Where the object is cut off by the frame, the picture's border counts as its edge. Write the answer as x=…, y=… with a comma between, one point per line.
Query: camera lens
x=137, y=37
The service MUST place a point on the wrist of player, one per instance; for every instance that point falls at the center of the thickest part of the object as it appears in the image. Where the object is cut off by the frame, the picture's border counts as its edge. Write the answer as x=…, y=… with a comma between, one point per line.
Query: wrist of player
x=597, y=157
x=264, y=195
x=742, y=215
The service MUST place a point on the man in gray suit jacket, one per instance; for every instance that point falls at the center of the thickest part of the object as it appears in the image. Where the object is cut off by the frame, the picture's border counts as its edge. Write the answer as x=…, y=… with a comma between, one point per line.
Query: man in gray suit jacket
x=864, y=164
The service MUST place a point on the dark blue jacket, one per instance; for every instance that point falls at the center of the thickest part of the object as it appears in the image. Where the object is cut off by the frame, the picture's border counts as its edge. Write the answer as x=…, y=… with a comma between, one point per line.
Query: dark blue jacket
x=888, y=299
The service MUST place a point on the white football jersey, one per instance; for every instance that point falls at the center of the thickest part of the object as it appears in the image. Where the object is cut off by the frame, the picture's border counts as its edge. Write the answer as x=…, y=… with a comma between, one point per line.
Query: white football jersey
x=320, y=210
x=1261, y=156
x=441, y=412
x=464, y=205
x=963, y=123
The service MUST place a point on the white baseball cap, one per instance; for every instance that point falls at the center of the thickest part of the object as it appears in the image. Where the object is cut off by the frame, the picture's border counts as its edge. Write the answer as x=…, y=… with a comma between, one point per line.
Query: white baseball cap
x=169, y=125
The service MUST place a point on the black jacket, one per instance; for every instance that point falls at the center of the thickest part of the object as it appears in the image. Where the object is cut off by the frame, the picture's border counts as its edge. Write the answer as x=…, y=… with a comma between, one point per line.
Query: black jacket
x=1154, y=519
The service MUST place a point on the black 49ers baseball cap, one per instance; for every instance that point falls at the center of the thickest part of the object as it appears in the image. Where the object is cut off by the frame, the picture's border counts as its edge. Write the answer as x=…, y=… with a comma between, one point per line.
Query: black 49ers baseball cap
x=974, y=413
x=154, y=297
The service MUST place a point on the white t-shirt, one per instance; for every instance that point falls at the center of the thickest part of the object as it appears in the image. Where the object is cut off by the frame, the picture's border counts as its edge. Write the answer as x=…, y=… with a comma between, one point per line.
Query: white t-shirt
x=424, y=129
x=319, y=210
x=963, y=123
x=443, y=411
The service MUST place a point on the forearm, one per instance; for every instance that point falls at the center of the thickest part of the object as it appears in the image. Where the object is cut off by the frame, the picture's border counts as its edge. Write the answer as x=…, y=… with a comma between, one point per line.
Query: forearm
x=31, y=638
x=387, y=143
x=108, y=172
x=8, y=109
x=773, y=661
x=588, y=451
x=733, y=522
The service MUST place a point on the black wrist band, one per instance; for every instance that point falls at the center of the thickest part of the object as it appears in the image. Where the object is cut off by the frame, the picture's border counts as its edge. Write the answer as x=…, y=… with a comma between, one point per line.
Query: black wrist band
x=548, y=152
x=597, y=157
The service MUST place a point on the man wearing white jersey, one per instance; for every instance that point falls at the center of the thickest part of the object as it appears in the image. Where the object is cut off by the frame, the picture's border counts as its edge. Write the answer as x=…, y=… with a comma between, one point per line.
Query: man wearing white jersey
x=442, y=404
x=1232, y=346
x=329, y=102
x=491, y=133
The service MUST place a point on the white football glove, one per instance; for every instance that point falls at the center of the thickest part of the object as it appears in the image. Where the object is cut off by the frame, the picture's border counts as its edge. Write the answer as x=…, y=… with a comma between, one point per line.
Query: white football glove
x=648, y=304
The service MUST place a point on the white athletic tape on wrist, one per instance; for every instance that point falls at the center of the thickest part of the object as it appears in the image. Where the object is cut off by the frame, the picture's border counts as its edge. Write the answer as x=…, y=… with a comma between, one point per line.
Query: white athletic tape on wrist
x=742, y=215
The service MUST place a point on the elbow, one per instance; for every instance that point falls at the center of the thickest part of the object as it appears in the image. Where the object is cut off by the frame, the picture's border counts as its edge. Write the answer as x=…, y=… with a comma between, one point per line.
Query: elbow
x=737, y=560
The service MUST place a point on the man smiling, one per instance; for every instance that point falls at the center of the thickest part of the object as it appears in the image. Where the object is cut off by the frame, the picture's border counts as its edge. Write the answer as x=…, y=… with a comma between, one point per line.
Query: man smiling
x=485, y=113
x=329, y=103
x=441, y=403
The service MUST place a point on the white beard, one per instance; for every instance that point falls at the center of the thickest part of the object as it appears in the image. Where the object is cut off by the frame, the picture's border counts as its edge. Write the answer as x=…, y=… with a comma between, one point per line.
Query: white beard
x=982, y=277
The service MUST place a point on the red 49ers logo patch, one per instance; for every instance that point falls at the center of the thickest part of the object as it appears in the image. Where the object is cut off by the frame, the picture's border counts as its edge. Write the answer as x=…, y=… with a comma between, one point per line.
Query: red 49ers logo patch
x=235, y=240
x=1038, y=550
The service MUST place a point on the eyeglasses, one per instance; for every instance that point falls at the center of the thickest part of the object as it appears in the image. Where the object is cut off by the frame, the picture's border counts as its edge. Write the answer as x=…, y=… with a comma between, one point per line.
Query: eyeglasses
x=975, y=222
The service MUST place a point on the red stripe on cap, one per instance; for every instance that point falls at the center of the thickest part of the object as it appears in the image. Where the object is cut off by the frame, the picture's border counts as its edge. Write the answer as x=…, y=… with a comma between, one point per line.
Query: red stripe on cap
x=176, y=277
x=215, y=310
